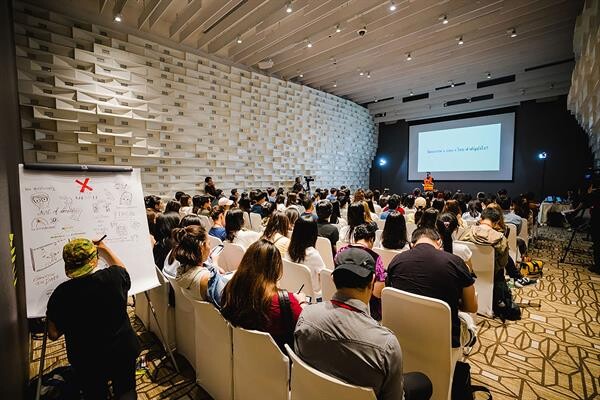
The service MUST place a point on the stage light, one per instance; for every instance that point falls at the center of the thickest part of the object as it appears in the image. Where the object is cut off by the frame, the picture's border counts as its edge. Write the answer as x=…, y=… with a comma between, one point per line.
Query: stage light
x=543, y=155
x=460, y=40
x=369, y=75
x=288, y=8
x=239, y=40
x=489, y=76
x=408, y=57
x=309, y=44
x=444, y=19
x=382, y=162
x=392, y=6
x=118, y=17
x=411, y=93
x=335, y=84
x=512, y=32
x=338, y=28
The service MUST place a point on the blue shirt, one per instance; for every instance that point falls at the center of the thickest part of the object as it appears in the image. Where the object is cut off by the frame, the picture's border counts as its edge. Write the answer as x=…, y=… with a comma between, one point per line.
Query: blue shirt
x=218, y=232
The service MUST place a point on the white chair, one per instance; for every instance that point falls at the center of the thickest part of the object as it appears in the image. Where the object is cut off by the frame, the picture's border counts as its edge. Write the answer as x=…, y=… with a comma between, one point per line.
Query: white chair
x=231, y=256
x=483, y=266
x=378, y=234
x=524, y=234
x=327, y=286
x=308, y=383
x=165, y=314
x=184, y=324
x=256, y=222
x=214, y=241
x=247, y=223
x=380, y=223
x=323, y=246
x=426, y=344
x=206, y=222
x=260, y=369
x=410, y=228
x=386, y=255
x=214, y=352
x=513, y=250
x=377, y=208
x=296, y=276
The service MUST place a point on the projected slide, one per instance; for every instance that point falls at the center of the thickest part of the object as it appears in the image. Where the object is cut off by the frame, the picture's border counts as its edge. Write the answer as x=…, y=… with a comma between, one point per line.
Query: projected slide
x=475, y=148
x=479, y=148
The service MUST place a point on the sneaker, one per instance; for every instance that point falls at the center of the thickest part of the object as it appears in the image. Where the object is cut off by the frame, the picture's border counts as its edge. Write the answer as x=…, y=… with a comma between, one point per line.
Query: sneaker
x=524, y=281
x=518, y=283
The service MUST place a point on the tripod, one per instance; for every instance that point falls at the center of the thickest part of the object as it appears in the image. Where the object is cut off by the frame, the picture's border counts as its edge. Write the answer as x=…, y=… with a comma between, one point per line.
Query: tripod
x=584, y=226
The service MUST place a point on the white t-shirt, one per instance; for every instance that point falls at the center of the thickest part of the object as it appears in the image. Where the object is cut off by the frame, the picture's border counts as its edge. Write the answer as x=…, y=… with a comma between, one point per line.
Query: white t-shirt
x=170, y=269
x=315, y=264
x=462, y=250
x=245, y=238
x=344, y=234
x=190, y=281
x=183, y=211
x=280, y=207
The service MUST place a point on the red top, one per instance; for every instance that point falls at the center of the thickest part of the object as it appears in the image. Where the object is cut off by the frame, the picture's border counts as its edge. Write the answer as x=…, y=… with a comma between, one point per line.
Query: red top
x=399, y=209
x=276, y=326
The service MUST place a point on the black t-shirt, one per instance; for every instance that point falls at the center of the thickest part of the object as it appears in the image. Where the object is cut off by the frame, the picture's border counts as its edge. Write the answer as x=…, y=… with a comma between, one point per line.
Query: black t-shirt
x=330, y=232
x=91, y=311
x=426, y=271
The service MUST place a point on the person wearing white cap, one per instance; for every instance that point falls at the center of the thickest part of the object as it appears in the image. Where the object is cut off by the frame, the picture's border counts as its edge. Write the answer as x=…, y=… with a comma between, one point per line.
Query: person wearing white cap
x=225, y=203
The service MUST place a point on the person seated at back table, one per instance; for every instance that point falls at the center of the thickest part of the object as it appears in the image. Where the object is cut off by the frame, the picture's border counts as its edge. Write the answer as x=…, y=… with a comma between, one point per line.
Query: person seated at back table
x=327, y=229
x=218, y=228
x=426, y=270
x=252, y=300
x=90, y=309
x=341, y=339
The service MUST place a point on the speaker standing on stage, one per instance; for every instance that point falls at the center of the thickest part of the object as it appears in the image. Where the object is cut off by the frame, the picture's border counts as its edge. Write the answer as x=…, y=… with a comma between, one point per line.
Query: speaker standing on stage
x=428, y=183
x=90, y=309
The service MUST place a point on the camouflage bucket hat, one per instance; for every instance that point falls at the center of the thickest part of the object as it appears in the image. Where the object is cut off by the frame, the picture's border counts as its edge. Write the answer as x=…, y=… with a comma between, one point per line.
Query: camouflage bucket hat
x=80, y=257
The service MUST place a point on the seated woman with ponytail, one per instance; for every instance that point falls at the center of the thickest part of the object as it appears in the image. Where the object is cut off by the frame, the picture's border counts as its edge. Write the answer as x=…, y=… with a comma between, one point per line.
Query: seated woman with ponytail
x=447, y=226
x=192, y=251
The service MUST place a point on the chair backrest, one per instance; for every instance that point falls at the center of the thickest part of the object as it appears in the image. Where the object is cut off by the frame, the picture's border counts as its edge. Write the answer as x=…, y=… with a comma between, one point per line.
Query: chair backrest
x=214, y=241
x=524, y=234
x=308, y=383
x=410, y=228
x=260, y=369
x=247, y=223
x=512, y=242
x=184, y=323
x=296, y=276
x=424, y=329
x=483, y=266
x=256, y=222
x=377, y=208
x=214, y=351
x=460, y=231
x=230, y=257
x=206, y=222
x=323, y=246
x=327, y=286
x=386, y=255
x=378, y=234
x=380, y=223
x=469, y=222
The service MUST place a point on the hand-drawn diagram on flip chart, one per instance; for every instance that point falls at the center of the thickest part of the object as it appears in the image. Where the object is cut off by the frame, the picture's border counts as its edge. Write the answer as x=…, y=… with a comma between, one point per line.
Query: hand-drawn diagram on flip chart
x=57, y=206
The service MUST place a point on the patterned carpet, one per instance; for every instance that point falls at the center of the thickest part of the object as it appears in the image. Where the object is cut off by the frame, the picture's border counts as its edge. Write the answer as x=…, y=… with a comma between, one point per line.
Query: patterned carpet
x=552, y=353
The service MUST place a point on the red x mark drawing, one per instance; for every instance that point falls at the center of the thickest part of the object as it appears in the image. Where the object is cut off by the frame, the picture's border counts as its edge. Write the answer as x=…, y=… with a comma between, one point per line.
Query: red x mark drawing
x=84, y=185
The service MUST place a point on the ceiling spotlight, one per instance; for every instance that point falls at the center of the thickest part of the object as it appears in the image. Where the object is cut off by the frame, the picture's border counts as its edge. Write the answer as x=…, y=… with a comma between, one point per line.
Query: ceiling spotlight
x=444, y=19
x=300, y=74
x=408, y=57
x=238, y=40
x=361, y=73
x=489, y=76
x=523, y=91
x=392, y=6
x=451, y=83
x=338, y=28
x=118, y=17
x=375, y=100
x=411, y=93
x=369, y=75
x=335, y=84
x=512, y=32
x=460, y=40
x=288, y=8
x=309, y=44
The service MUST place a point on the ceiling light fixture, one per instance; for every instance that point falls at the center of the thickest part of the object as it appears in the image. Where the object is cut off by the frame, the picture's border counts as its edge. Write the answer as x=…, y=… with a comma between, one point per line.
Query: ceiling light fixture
x=392, y=6
x=118, y=17
x=308, y=44
x=451, y=83
x=443, y=18
x=408, y=57
x=288, y=8
x=300, y=74
x=460, y=40
x=512, y=32
x=335, y=84
x=338, y=28
x=361, y=73
x=411, y=93
x=369, y=75
x=489, y=76
x=238, y=40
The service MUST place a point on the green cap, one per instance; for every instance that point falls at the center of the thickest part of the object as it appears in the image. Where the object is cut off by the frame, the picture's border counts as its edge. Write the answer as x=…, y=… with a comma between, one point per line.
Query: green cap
x=80, y=257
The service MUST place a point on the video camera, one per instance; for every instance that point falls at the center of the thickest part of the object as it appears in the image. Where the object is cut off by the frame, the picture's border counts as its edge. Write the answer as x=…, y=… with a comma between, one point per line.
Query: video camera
x=309, y=179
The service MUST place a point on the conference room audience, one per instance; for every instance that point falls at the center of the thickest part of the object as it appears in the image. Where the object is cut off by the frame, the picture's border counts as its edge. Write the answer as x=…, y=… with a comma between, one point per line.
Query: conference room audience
x=473, y=212
x=165, y=223
x=309, y=209
x=302, y=249
x=172, y=206
x=218, y=228
x=510, y=217
x=292, y=215
x=341, y=339
x=393, y=205
x=438, y=204
x=453, y=207
x=427, y=271
x=356, y=217
x=268, y=210
x=235, y=231
x=394, y=235
x=257, y=207
x=325, y=228
x=154, y=203
x=202, y=206
x=277, y=230
x=364, y=238
x=447, y=226
x=209, y=187
x=191, y=252
x=280, y=202
x=225, y=203
x=428, y=218
x=252, y=300
x=332, y=196
x=186, y=204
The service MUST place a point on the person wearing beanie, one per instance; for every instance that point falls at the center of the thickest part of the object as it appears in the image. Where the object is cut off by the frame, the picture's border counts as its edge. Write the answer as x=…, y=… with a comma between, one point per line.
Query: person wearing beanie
x=90, y=309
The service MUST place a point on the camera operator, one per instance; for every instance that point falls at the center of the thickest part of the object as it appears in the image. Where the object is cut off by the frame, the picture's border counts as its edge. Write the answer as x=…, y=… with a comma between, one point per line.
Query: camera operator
x=297, y=188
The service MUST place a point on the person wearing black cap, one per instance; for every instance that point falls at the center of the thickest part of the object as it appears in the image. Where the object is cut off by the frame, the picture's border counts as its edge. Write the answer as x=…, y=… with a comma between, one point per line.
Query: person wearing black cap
x=339, y=337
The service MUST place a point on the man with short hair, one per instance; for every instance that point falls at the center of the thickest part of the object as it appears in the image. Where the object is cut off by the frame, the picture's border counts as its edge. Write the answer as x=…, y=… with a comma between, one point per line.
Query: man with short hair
x=209, y=187
x=332, y=194
x=510, y=217
x=297, y=186
x=339, y=337
x=258, y=206
x=393, y=205
x=205, y=206
x=326, y=229
x=429, y=271
x=309, y=210
x=271, y=195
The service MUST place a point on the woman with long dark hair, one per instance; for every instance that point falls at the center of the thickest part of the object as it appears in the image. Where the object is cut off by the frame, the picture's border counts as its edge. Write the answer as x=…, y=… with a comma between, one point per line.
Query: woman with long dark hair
x=447, y=225
x=356, y=217
x=428, y=219
x=292, y=215
x=235, y=231
x=252, y=300
x=302, y=250
x=165, y=223
x=191, y=251
x=453, y=206
x=473, y=212
x=277, y=230
x=394, y=232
